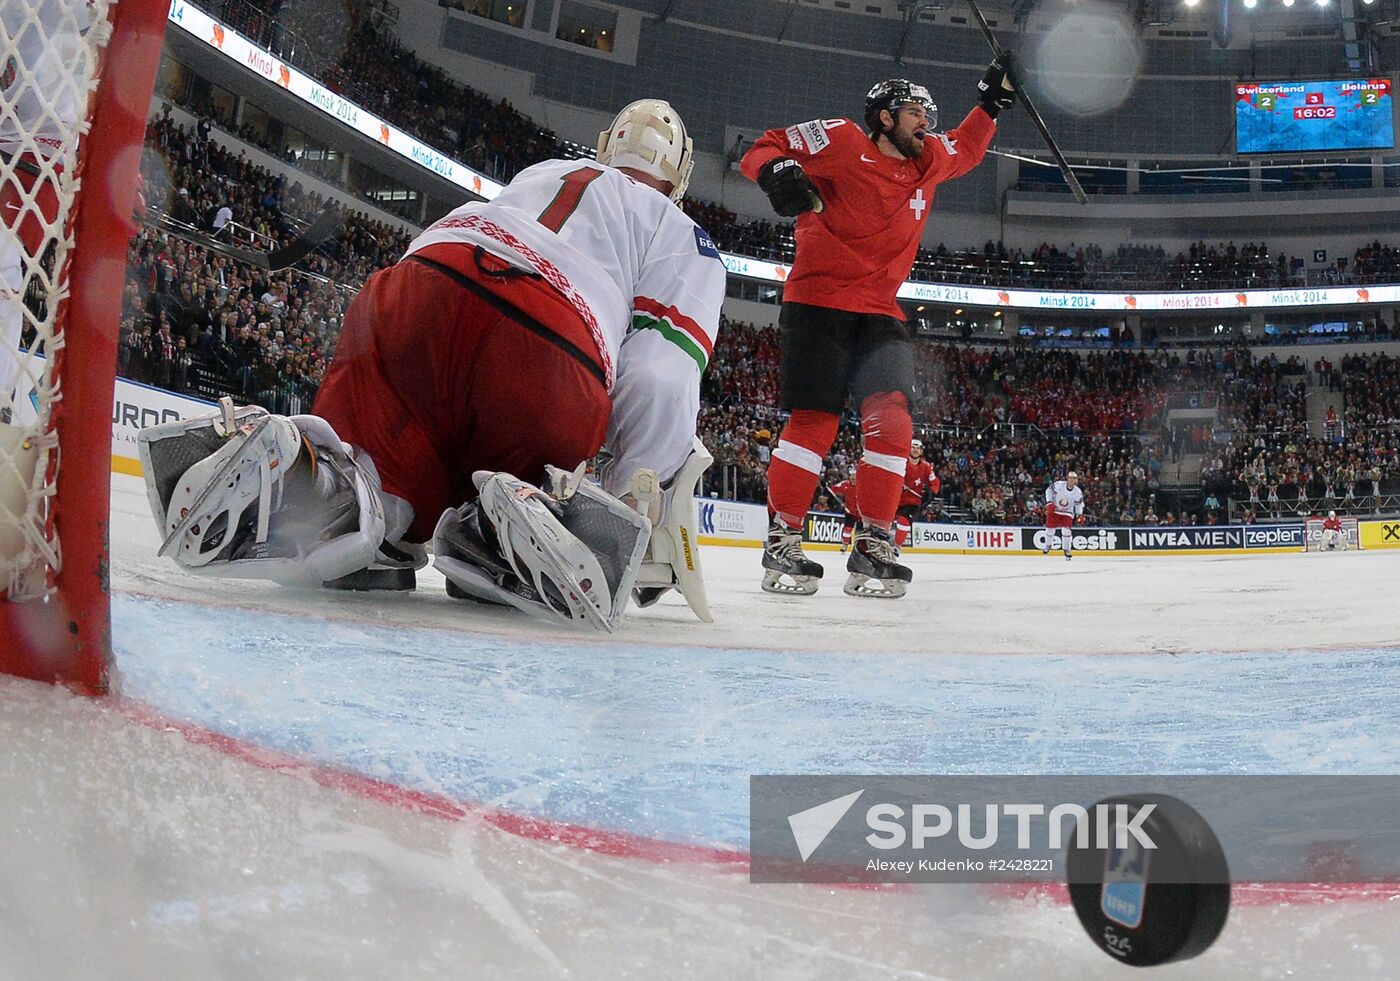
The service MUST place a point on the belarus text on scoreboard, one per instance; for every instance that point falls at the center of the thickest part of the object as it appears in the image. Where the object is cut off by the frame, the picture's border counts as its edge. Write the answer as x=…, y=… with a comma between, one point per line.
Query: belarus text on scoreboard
x=1305, y=117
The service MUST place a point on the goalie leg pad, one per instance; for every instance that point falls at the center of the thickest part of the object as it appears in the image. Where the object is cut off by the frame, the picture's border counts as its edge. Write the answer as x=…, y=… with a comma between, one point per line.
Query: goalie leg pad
x=238, y=494
x=573, y=561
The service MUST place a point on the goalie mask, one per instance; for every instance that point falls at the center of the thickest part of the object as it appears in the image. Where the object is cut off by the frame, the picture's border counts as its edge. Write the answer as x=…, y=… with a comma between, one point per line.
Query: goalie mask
x=649, y=136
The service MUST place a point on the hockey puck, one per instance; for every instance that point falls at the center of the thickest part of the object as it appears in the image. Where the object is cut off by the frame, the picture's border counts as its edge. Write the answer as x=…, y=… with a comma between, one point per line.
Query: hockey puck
x=1149, y=905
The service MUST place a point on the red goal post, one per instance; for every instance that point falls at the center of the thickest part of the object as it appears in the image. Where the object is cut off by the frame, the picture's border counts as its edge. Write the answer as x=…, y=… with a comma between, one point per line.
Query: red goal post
x=56, y=445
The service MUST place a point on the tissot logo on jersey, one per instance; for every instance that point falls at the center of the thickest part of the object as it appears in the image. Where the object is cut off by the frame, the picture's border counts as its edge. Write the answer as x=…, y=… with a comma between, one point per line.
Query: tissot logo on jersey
x=810, y=136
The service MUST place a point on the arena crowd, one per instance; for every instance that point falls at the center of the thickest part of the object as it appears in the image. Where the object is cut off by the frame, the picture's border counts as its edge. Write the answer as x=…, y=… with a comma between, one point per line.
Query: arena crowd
x=997, y=424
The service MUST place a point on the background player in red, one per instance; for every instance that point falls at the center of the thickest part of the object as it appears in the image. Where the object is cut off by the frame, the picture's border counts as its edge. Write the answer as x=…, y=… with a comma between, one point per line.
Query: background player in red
x=1332, y=535
x=845, y=493
x=861, y=201
x=919, y=482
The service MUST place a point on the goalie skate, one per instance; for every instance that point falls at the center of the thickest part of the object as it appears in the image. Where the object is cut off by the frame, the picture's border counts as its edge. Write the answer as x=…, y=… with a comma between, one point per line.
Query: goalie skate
x=786, y=567
x=573, y=561
x=872, y=561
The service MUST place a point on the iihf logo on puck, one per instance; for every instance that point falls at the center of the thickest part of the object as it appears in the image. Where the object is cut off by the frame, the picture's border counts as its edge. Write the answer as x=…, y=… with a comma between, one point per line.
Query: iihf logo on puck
x=1149, y=906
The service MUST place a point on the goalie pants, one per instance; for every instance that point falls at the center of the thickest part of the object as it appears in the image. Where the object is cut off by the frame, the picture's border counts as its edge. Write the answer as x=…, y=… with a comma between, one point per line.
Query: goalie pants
x=451, y=362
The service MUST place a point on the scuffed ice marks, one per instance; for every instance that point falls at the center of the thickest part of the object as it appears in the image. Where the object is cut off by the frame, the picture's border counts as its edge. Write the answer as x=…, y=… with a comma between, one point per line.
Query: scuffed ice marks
x=660, y=741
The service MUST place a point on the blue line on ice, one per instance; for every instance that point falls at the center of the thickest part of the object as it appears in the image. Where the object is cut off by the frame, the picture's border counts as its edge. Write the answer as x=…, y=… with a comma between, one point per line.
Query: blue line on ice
x=661, y=742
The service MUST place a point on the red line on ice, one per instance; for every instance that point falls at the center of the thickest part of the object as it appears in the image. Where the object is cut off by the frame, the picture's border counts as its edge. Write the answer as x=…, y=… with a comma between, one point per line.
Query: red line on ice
x=620, y=844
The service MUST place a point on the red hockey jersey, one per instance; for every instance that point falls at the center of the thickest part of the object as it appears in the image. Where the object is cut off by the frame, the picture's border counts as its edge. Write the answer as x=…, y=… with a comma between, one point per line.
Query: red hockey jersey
x=859, y=249
x=846, y=491
x=918, y=477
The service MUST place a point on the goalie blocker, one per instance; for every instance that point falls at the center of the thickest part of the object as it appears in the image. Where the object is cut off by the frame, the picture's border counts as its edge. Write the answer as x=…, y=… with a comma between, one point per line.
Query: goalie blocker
x=247, y=494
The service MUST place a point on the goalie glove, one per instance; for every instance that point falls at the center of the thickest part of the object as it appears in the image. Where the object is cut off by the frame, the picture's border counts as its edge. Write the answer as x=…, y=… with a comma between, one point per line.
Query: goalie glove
x=997, y=89
x=789, y=188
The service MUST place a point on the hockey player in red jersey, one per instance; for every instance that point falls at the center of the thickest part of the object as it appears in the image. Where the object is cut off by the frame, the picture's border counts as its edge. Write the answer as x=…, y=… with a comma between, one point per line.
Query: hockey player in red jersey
x=513, y=340
x=845, y=493
x=861, y=201
x=919, y=482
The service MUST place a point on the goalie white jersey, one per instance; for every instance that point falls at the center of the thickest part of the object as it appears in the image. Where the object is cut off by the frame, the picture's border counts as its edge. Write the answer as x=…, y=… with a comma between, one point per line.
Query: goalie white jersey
x=645, y=278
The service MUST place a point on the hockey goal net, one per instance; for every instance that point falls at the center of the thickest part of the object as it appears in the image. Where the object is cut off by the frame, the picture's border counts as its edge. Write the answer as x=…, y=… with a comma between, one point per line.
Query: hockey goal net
x=1313, y=538
x=76, y=78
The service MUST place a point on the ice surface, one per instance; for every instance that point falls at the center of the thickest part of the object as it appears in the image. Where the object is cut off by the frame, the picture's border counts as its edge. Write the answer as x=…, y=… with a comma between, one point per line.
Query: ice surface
x=129, y=848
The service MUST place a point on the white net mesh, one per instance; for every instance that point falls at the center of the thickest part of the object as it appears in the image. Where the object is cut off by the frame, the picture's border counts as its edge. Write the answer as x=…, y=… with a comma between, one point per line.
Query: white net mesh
x=49, y=58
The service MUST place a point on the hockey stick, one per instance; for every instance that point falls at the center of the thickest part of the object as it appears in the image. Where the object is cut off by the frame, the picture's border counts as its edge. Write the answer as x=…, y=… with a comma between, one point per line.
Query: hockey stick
x=1031, y=110
x=839, y=499
x=20, y=164
x=289, y=255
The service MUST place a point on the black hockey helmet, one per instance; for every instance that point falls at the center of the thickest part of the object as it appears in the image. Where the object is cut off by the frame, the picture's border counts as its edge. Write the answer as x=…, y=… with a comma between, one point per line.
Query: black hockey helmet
x=894, y=92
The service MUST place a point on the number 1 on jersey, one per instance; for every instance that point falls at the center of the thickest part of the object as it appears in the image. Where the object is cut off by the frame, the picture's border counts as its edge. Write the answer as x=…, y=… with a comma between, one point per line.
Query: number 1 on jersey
x=566, y=201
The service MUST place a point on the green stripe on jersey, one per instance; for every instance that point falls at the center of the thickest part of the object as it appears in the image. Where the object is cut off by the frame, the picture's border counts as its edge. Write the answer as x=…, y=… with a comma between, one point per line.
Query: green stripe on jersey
x=672, y=333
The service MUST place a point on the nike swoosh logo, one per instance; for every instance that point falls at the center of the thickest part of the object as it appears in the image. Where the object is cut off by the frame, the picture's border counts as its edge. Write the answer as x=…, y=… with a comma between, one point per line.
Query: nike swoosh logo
x=866, y=159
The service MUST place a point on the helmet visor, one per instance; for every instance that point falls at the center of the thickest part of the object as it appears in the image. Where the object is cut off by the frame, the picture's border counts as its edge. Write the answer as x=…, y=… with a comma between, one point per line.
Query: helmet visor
x=919, y=96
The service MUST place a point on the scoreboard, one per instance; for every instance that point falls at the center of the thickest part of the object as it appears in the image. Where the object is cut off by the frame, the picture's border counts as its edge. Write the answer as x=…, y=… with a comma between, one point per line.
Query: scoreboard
x=1309, y=117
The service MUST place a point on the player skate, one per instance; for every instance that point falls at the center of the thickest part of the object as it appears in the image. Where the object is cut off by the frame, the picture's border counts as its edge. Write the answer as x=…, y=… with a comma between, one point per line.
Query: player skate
x=786, y=567
x=571, y=556
x=872, y=560
x=247, y=494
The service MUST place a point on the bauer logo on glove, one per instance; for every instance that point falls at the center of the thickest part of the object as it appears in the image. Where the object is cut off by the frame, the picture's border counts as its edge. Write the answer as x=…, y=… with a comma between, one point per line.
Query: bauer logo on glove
x=789, y=188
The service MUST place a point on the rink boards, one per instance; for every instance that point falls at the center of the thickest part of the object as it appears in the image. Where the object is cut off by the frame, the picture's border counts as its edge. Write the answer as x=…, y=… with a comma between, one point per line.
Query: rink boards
x=136, y=406
x=733, y=523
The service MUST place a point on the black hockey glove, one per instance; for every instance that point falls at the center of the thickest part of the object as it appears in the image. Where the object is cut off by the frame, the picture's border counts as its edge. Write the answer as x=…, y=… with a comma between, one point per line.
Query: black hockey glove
x=997, y=90
x=789, y=188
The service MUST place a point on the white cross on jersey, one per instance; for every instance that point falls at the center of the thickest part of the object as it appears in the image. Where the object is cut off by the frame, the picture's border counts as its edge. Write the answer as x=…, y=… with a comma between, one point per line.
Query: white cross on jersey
x=918, y=203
